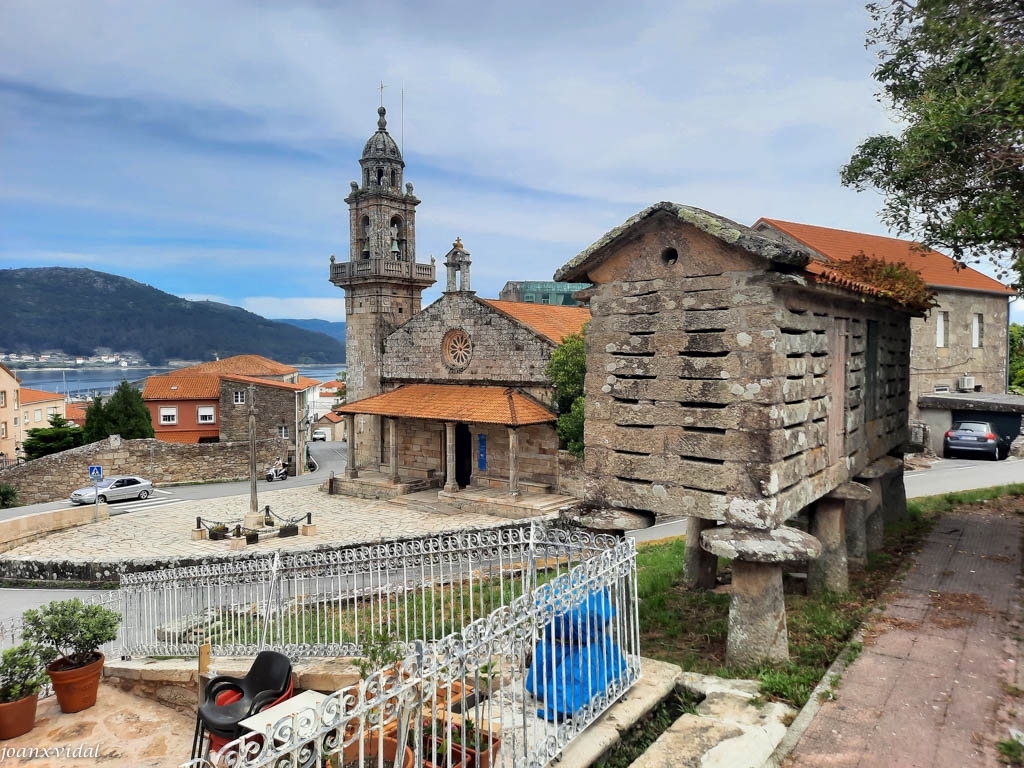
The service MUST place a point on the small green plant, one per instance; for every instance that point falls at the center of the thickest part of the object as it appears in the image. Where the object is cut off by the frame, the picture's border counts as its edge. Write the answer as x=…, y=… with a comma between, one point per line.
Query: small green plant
x=853, y=651
x=380, y=651
x=1011, y=752
x=21, y=673
x=8, y=496
x=70, y=630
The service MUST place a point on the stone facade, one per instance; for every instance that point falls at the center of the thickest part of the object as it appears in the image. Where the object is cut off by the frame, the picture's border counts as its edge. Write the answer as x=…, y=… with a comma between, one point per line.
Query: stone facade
x=933, y=366
x=538, y=456
x=275, y=408
x=56, y=476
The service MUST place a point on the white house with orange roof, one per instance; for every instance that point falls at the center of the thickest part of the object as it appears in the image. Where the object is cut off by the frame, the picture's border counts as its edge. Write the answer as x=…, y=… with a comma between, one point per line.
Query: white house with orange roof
x=209, y=402
x=961, y=345
x=37, y=407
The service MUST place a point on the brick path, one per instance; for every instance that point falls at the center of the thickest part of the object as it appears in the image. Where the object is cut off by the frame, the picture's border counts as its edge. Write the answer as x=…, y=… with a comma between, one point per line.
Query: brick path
x=163, y=532
x=932, y=687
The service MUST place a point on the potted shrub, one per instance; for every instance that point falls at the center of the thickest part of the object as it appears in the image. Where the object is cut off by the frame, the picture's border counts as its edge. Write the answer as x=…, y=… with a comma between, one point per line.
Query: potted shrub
x=218, y=533
x=440, y=750
x=480, y=745
x=288, y=529
x=71, y=632
x=21, y=677
x=251, y=537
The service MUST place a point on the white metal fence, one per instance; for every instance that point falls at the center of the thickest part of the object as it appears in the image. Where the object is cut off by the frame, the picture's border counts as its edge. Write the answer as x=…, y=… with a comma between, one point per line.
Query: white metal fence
x=487, y=648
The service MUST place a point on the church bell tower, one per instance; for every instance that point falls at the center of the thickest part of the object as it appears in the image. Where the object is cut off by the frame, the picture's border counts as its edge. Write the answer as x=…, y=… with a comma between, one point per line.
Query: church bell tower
x=381, y=279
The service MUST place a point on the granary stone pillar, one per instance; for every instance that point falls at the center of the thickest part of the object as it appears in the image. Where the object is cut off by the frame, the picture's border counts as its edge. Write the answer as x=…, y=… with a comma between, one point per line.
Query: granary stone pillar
x=513, y=461
x=874, y=522
x=351, y=471
x=700, y=568
x=451, y=485
x=894, y=493
x=393, y=435
x=757, y=611
x=830, y=570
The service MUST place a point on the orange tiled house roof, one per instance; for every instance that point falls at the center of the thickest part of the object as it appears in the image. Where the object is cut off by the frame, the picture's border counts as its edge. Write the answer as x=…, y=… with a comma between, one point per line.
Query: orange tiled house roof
x=27, y=396
x=175, y=387
x=242, y=365
x=455, y=402
x=937, y=269
x=187, y=436
x=552, y=322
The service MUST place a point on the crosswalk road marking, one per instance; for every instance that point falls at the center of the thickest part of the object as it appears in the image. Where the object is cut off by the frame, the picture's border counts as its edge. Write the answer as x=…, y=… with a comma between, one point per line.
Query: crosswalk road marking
x=138, y=506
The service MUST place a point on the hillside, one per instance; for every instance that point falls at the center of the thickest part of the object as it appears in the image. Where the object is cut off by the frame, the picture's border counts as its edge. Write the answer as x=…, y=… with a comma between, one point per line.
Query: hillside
x=79, y=310
x=334, y=330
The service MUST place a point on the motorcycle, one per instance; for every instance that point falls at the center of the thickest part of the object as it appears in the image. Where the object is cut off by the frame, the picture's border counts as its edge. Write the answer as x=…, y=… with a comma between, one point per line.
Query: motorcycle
x=277, y=473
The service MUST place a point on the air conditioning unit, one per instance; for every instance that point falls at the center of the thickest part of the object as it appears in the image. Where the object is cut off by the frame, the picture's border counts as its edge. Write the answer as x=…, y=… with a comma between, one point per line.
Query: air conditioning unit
x=966, y=384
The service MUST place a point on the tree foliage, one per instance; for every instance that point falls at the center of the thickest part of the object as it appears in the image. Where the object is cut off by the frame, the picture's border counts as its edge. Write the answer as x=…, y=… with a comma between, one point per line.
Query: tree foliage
x=124, y=413
x=567, y=370
x=59, y=436
x=952, y=72
x=1016, y=369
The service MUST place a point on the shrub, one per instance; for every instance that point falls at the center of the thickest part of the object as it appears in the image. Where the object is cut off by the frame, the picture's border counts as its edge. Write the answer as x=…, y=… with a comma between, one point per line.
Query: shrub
x=8, y=496
x=71, y=629
x=21, y=673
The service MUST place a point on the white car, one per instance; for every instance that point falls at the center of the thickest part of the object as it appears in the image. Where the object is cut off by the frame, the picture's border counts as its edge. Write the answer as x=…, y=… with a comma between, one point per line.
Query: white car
x=319, y=434
x=114, y=488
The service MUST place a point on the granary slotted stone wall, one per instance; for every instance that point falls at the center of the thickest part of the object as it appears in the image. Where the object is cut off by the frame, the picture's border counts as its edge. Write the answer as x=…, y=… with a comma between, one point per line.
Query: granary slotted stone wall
x=712, y=383
x=504, y=352
x=56, y=476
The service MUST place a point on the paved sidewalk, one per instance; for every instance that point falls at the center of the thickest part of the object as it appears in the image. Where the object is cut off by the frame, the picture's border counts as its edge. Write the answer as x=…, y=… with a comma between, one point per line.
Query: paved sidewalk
x=937, y=683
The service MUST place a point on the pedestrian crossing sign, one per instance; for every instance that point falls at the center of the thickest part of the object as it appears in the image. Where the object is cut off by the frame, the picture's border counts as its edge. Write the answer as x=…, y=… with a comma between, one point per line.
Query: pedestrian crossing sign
x=95, y=472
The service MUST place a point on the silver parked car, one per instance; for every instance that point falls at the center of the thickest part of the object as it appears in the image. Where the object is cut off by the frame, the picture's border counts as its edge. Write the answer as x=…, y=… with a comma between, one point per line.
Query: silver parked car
x=114, y=488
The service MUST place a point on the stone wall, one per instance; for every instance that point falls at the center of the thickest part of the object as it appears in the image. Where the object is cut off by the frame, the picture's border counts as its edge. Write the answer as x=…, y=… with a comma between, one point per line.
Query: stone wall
x=275, y=407
x=538, y=454
x=504, y=352
x=421, y=446
x=56, y=476
x=572, y=480
x=932, y=366
x=713, y=387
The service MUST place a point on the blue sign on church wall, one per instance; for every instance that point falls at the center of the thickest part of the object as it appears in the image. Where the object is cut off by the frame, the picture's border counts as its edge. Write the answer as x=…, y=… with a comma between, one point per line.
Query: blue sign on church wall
x=481, y=462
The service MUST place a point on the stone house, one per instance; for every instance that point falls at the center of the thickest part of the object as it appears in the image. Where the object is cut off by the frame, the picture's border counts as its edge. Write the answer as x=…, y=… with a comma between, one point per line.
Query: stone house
x=210, y=403
x=961, y=344
x=730, y=384
x=455, y=393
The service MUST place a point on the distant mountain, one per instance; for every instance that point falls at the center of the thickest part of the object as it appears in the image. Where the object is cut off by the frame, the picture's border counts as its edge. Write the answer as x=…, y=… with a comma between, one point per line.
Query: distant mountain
x=334, y=330
x=77, y=311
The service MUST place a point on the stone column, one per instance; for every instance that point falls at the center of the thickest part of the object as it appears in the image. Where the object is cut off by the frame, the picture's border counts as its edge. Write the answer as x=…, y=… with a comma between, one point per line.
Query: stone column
x=393, y=434
x=894, y=494
x=829, y=571
x=856, y=535
x=757, y=611
x=700, y=568
x=513, y=461
x=874, y=522
x=451, y=485
x=350, y=446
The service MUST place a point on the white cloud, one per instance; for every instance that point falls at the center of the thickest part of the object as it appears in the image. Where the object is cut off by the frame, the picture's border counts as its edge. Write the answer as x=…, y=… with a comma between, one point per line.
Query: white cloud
x=298, y=308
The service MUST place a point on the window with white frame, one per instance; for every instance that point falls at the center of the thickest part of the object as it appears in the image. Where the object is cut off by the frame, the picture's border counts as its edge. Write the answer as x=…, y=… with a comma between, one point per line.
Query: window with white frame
x=282, y=431
x=3, y=429
x=239, y=397
x=37, y=414
x=942, y=329
x=51, y=411
x=3, y=398
x=169, y=415
x=15, y=421
x=978, y=331
x=207, y=415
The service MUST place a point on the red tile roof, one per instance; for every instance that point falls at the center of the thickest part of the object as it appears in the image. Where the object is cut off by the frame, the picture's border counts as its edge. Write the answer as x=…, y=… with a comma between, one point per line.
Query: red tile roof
x=75, y=412
x=243, y=365
x=186, y=436
x=455, y=402
x=332, y=417
x=27, y=396
x=333, y=385
x=552, y=322
x=937, y=270
x=302, y=384
x=178, y=387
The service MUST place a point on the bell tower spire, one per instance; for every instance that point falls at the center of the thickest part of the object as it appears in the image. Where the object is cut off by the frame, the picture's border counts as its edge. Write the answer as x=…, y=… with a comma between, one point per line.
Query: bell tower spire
x=383, y=284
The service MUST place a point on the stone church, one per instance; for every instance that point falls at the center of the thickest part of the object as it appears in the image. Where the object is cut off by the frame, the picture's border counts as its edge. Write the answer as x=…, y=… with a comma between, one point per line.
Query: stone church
x=455, y=394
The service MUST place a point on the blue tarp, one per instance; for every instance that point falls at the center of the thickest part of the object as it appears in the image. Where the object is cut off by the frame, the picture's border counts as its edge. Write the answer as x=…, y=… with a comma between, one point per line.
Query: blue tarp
x=575, y=659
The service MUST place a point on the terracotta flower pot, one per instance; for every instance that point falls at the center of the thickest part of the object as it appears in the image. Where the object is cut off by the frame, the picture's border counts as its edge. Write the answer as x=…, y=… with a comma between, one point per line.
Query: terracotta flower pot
x=76, y=688
x=371, y=744
x=18, y=717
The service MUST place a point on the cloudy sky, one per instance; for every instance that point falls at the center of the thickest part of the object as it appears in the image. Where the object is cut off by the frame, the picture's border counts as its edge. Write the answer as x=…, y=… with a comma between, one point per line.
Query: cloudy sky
x=205, y=147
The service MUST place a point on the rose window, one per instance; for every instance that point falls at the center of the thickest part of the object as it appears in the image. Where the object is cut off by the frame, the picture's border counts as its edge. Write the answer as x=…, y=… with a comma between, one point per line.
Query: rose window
x=457, y=349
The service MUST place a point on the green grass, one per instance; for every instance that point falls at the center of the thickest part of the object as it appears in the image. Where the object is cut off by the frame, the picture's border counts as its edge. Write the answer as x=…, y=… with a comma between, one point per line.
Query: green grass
x=947, y=502
x=638, y=738
x=1011, y=752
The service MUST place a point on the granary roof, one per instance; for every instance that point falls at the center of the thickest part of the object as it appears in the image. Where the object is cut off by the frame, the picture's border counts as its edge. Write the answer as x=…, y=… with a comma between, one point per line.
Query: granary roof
x=27, y=396
x=726, y=230
x=187, y=436
x=554, y=323
x=243, y=365
x=455, y=402
x=177, y=387
x=937, y=269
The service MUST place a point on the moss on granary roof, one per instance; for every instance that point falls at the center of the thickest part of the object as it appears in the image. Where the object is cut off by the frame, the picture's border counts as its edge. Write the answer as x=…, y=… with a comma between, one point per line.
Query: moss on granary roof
x=726, y=230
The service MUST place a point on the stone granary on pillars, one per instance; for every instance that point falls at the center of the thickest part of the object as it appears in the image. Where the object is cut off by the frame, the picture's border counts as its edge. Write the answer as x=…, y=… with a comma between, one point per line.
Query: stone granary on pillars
x=727, y=384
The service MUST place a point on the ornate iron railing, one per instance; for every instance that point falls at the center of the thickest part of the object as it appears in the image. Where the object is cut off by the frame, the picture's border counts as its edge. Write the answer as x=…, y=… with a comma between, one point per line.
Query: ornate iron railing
x=545, y=639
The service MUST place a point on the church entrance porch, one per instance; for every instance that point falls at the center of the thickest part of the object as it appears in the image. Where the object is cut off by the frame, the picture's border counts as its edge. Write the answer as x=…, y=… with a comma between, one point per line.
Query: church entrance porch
x=463, y=455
